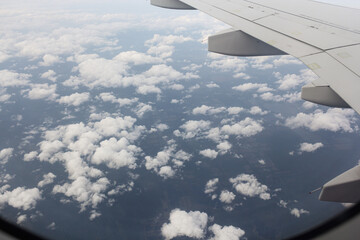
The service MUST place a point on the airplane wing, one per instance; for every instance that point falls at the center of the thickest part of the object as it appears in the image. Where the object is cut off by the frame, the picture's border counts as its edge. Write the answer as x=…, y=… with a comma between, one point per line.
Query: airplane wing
x=325, y=37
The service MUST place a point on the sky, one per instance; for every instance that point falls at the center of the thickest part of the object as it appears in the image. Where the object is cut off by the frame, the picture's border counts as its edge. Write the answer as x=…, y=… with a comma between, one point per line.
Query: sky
x=115, y=119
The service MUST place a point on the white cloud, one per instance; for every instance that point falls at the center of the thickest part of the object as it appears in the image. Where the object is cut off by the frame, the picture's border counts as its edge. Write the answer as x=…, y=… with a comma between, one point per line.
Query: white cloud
x=298, y=212
x=136, y=58
x=190, y=224
x=212, y=85
x=192, y=128
x=116, y=154
x=48, y=179
x=20, y=198
x=142, y=108
x=5, y=155
x=162, y=127
x=166, y=172
x=177, y=87
x=20, y=219
x=94, y=214
x=226, y=232
x=290, y=81
x=206, y=110
x=75, y=99
x=209, y=153
x=257, y=111
x=108, y=97
x=260, y=87
x=49, y=59
x=242, y=75
x=245, y=128
x=146, y=89
x=226, y=63
x=13, y=79
x=309, y=147
x=235, y=110
x=210, y=186
x=50, y=74
x=226, y=196
x=332, y=120
x=262, y=161
x=224, y=147
x=42, y=91
x=249, y=186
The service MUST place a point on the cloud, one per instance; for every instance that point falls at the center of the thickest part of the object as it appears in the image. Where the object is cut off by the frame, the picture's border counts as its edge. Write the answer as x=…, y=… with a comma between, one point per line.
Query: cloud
x=108, y=97
x=20, y=219
x=290, y=81
x=5, y=155
x=50, y=74
x=162, y=127
x=13, y=79
x=42, y=91
x=190, y=224
x=309, y=147
x=226, y=196
x=298, y=212
x=48, y=179
x=192, y=128
x=136, y=58
x=226, y=63
x=164, y=157
x=333, y=119
x=206, y=110
x=209, y=153
x=249, y=186
x=262, y=161
x=142, y=108
x=49, y=59
x=226, y=232
x=260, y=87
x=20, y=198
x=146, y=89
x=235, y=110
x=210, y=186
x=245, y=128
x=75, y=99
x=212, y=85
x=116, y=153
x=257, y=111
x=224, y=147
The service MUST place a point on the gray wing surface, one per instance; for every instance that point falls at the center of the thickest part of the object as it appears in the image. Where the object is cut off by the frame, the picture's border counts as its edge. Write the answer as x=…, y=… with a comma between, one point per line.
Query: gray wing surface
x=324, y=37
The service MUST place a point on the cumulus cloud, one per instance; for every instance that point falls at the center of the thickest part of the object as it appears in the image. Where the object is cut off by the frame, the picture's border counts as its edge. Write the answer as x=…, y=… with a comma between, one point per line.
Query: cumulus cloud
x=163, y=158
x=192, y=128
x=13, y=79
x=190, y=224
x=333, y=119
x=245, y=128
x=210, y=186
x=48, y=179
x=226, y=63
x=257, y=111
x=50, y=74
x=116, y=153
x=49, y=59
x=224, y=147
x=212, y=85
x=226, y=196
x=30, y=156
x=291, y=81
x=75, y=99
x=235, y=110
x=309, y=147
x=5, y=155
x=20, y=219
x=262, y=161
x=298, y=212
x=108, y=141
x=248, y=185
x=20, y=198
x=260, y=87
x=42, y=91
x=209, y=153
x=142, y=108
x=206, y=110
x=226, y=232
x=108, y=97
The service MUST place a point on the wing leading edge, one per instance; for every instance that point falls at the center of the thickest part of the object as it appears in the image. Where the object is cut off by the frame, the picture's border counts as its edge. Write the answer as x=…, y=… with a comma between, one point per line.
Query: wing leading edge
x=324, y=37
